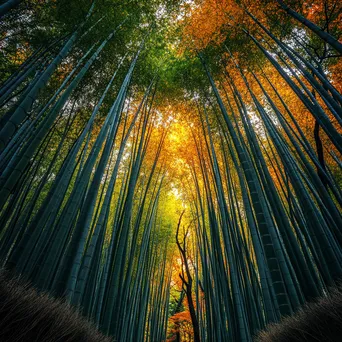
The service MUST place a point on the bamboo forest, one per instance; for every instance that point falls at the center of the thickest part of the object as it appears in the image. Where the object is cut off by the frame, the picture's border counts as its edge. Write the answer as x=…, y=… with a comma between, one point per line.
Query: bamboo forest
x=172, y=168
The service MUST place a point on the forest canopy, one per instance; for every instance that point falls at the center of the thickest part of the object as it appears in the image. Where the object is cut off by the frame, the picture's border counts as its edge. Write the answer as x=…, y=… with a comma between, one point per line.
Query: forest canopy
x=172, y=168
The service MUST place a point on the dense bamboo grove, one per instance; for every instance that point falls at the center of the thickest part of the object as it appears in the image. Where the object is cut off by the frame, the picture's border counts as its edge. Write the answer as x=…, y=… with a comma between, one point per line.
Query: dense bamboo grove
x=173, y=169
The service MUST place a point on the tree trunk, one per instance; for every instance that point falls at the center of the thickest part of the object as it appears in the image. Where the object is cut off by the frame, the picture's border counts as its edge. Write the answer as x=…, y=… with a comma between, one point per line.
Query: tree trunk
x=320, y=154
x=188, y=283
x=313, y=27
x=8, y=5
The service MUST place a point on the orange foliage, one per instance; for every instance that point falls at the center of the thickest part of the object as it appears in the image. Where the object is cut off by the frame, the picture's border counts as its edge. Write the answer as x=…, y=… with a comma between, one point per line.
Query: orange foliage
x=211, y=20
x=315, y=10
x=180, y=323
x=208, y=19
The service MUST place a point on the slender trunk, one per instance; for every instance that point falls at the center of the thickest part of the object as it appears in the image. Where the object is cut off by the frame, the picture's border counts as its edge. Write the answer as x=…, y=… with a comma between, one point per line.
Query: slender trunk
x=320, y=154
x=313, y=27
x=188, y=283
x=8, y=5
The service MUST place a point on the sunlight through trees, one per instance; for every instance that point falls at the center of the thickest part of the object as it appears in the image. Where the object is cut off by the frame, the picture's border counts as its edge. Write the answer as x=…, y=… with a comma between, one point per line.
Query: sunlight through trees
x=173, y=168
